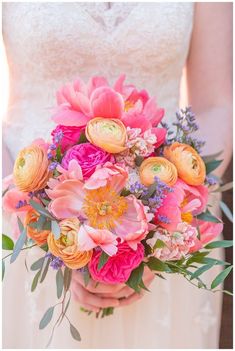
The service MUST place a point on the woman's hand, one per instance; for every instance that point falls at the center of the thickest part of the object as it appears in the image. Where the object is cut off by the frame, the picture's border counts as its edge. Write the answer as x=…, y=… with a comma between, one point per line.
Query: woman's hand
x=93, y=296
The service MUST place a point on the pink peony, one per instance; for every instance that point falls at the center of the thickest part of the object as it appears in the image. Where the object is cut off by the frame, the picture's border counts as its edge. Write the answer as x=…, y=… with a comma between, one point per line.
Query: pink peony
x=208, y=232
x=69, y=135
x=118, y=268
x=88, y=156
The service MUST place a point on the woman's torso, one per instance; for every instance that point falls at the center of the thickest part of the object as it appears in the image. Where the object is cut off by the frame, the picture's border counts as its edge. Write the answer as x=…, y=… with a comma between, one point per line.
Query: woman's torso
x=49, y=44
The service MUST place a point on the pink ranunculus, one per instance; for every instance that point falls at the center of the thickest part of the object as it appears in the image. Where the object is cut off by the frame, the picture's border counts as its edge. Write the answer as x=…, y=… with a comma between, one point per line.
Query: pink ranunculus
x=118, y=268
x=70, y=135
x=88, y=157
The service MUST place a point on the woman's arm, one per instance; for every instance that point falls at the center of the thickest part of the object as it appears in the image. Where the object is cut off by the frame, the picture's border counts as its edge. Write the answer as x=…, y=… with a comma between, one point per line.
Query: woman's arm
x=209, y=77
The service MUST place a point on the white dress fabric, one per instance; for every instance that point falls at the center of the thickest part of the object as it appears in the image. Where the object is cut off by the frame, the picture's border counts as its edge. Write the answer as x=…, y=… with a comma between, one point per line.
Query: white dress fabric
x=47, y=45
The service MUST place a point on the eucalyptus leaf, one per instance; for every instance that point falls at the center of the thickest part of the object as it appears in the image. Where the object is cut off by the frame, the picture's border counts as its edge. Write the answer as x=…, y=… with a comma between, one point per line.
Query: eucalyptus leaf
x=40, y=209
x=86, y=277
x=20, y=224
x=44, y=247
x=201, y=270
x=220, y=243
x=45, y=270
x=40, y=222
x=226, y=210
x=67, y=278
x=55, y=228
x=208, y=217
x=197, y=257
x=7, y=243
x=38, y=264
x=59, y=283
x=156, y=265
x=211, y=157
x=3, y=269
x=214, y=261
x=221, y=277
x=102, y=260
x=18, y=245
x=35, y=281
x=212, y=165
x=46, y=318
x=224, y=187
x=74, y=332
x=142, y=285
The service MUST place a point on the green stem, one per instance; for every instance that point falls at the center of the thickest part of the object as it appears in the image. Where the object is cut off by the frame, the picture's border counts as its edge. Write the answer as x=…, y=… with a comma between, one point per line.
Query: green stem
x=25, y=248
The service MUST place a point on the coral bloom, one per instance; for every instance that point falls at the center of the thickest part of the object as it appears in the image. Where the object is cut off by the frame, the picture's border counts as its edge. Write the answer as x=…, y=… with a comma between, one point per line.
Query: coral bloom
x=66, y=247
x=105, y=213
x=188, y=162
x=40, y=237
x=31, y=171
x=208, y=232
x=108, y=134
x=157, y=167
x=119, y=267
x=181, y=205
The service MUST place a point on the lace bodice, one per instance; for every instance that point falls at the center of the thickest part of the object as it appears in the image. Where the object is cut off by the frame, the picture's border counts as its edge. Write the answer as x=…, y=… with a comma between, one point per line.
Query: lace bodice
x=49, y=44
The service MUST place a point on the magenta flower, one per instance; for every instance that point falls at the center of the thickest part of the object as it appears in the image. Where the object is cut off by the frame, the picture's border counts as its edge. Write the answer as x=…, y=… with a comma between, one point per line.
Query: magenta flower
x=118, y=268
x=69, y=136
x=88, y=156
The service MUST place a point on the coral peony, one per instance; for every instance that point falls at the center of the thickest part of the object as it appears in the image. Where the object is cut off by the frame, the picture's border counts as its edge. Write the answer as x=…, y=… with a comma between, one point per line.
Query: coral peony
x=188, y=162
x=108, y=134
x=88, y=157
x=157, y=167
x=31, y=171
x=66, y=247
x=118, y=268
x=40, y=237
x=66, y=136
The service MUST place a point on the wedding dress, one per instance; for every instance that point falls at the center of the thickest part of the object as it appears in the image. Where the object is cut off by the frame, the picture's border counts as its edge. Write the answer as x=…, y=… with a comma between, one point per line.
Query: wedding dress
x=47, y=45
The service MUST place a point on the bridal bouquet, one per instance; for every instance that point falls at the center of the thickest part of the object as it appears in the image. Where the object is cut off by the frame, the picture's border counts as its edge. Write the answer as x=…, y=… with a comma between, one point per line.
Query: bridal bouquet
x=114, y=190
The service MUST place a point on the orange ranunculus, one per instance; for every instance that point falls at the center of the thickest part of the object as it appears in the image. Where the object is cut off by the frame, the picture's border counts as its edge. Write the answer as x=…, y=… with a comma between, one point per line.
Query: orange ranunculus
x=106, y=133
x=189, y=164
x=31, y=171
x=40, y=237
x=66, y=247
x=157, y=167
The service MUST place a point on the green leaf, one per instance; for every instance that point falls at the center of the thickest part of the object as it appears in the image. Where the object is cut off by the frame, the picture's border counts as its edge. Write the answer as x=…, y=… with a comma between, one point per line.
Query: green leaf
x=226, y=211
x=44, y=247
x=160, y=276
x=86, y=277
x=7, y=243
x=212, y=165
x=59, y=283
x=212, y=157
x=40, y=209
x=159, y=244
x=214, y=261
x=103, y=259
x=82, y=139
x=45, y=270
x=18, y=245
x=156, y=265
x=220, y=277
x=208, y=217
x=142, y=285
x=139, y=160
x=67, y=278
x=136, y=277
x=220, y=243
x=197, y=257
x=40, y=222
x=46, y=318
x=55, y=228
x=38, y=264
x=58, y=154
x=74, y=332
x=35, y=281
x=3, y=269
x=224, y=187
x=201, y=270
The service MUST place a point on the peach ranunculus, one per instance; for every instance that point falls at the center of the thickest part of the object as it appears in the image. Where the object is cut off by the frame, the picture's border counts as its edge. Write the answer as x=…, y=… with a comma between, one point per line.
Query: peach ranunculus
x=66, y=247
x=108, y=134
x=157, y=167
x=31, y=171
x=188, y=162
x=40, y=237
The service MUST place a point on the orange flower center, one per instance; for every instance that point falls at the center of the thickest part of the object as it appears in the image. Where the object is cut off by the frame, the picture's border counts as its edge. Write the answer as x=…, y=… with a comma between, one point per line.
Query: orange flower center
x=128, y=105
x=104, y=207
x=186, y=216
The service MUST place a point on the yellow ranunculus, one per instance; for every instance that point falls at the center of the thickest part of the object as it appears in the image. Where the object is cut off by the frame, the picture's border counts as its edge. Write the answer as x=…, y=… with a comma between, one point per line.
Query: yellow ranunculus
x=106, y=133
x=66, y=247
x=188, y=162
x=157, y=167
x=31, y=171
